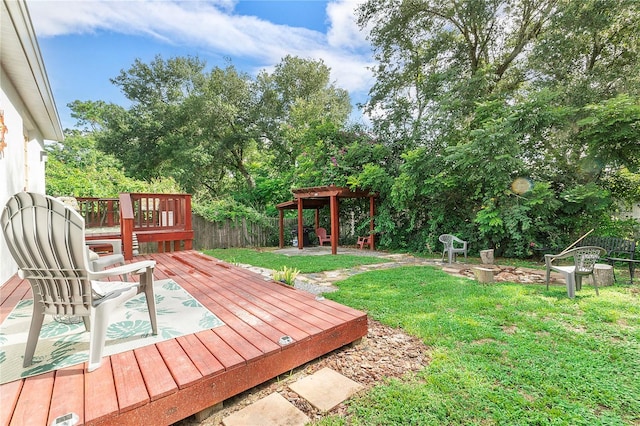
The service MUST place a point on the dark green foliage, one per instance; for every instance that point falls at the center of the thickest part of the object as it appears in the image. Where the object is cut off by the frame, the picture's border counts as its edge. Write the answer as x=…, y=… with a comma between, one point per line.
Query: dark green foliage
x=512, y=118
x=77, y=168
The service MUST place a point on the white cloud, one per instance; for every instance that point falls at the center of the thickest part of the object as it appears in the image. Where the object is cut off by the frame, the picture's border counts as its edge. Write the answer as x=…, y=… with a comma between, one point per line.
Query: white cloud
x=214, y=27
x=343, y=30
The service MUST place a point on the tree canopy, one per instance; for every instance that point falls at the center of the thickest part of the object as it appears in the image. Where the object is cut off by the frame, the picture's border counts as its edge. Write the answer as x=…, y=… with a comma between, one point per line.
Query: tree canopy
x=512, y=123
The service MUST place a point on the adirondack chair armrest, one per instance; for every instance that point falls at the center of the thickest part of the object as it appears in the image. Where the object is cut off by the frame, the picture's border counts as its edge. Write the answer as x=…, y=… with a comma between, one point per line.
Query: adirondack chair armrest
x=136, y=268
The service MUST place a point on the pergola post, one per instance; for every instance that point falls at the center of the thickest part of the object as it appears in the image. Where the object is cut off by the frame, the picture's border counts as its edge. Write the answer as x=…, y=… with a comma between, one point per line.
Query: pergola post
x=372, y=212
x=335, y=223
x=281, y=226
x=318, y=197
x=300, y=224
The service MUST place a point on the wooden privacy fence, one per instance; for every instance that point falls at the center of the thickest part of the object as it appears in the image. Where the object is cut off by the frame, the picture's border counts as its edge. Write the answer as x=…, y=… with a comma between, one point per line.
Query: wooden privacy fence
x=243, y=233
x=235, y=233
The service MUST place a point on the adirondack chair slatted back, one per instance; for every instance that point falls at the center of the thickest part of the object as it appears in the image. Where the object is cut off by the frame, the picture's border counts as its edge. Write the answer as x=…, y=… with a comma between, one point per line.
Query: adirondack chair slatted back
x=46, y=239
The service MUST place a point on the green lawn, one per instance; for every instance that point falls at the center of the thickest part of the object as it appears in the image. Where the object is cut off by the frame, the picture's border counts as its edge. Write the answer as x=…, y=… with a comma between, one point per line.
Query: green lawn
x=503, y=354
x=306, y=264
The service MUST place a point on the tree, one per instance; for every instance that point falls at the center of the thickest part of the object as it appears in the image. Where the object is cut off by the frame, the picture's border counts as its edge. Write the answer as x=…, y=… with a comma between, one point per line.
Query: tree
x=144, y=136
x=437, y=58
x=475, y=94
x=296, y=96
x=611, y=131
x=77, y=168
x=219, y=136
x=214, y=130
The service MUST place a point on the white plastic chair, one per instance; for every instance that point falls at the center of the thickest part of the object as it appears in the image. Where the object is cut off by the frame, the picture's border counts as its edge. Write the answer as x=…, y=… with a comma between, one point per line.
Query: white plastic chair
x=47, y=241
x=584, y=258
x=450, y=247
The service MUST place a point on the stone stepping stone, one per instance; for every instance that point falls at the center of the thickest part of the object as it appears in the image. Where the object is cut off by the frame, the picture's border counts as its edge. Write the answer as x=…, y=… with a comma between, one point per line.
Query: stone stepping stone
x=325, y=389
x=272, y=410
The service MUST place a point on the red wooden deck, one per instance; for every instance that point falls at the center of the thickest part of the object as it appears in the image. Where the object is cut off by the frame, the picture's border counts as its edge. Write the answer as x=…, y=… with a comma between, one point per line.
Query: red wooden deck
x=163, y=383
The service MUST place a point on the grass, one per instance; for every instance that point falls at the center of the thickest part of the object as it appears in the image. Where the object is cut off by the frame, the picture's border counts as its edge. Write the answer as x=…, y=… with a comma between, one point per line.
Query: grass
x=502, y=354
x=305, y=264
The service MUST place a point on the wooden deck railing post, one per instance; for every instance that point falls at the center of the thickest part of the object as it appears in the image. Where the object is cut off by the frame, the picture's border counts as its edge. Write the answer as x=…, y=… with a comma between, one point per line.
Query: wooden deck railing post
x=188, y=226
x=126, y=225
x=110, y=221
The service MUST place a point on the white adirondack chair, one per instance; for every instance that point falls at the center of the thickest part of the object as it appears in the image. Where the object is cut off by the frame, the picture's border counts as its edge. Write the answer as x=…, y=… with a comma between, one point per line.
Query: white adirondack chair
x=47, y=241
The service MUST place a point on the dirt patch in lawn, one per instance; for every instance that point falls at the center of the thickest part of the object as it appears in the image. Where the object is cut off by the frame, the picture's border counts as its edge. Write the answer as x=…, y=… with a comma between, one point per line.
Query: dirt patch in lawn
x=510, y=274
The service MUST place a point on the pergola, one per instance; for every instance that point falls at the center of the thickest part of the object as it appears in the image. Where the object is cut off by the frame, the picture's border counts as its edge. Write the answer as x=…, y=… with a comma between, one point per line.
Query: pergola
x=318, y=197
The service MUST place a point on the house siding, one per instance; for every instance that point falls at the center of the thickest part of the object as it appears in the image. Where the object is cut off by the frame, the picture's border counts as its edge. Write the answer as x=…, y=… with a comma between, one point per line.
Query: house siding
x=13, y=173
x=29, y=113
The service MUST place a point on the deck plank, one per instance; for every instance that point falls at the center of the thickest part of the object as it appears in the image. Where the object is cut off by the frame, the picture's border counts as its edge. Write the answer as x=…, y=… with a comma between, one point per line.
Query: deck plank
x=100, y=399
x=200, y=356
x=16, y=290
x=9, y=394
x=223, y=352
x=156, y=375
x=34, y=401
x=184, y=372
x=128, y=380
x=284, y=293
x=9, y=287
x=254, y=290
x=68, y=393
x=208, y=298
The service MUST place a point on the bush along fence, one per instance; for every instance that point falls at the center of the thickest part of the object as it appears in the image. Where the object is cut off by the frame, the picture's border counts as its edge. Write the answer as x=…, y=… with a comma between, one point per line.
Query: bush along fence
x=243, y=233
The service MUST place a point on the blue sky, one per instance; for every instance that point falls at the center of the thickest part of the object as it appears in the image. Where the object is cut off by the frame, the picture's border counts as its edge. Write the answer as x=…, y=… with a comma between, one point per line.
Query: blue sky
x=85, y=43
